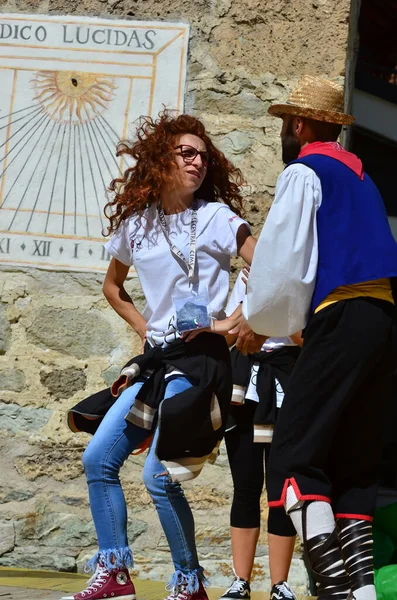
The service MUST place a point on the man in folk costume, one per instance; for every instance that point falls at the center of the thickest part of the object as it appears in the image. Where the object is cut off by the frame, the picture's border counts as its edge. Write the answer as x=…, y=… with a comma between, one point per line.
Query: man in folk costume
x=325, y=263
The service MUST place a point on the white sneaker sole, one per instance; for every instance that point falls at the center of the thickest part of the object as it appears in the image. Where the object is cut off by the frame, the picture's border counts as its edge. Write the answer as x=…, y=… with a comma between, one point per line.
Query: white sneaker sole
x=232, y=598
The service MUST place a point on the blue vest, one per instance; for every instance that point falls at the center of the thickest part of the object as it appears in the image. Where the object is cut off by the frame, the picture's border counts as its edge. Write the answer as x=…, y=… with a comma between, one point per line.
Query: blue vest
x=354, y=237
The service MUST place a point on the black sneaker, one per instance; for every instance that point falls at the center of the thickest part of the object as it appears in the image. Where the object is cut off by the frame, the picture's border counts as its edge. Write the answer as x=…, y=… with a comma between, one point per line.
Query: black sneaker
x=239, y=590
x=282, y=591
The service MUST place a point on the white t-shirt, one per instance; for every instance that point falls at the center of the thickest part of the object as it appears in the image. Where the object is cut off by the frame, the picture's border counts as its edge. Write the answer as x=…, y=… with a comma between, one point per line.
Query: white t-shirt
x=236, y=297
x=140, y=242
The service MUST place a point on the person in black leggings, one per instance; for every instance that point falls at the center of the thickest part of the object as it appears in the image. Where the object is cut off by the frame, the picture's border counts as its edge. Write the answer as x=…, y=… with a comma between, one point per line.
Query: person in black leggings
x=259, y=383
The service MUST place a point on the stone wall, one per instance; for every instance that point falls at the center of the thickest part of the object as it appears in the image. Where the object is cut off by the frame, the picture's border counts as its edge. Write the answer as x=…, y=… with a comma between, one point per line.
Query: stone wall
x=58, y=338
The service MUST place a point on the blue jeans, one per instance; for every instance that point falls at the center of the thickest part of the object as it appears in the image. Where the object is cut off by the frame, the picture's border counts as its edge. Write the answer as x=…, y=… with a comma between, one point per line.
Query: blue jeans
x=111, y=445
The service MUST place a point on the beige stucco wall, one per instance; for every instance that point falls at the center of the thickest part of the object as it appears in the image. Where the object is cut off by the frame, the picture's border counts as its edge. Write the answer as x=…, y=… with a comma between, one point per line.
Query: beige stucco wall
x=58, y=338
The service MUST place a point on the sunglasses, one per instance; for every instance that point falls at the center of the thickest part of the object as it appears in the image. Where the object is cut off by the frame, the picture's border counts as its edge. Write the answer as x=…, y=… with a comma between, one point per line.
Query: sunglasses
x=189, y=154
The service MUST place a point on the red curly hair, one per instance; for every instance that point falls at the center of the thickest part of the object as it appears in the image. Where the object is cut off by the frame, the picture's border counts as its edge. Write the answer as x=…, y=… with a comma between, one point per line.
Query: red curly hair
x=154, y=154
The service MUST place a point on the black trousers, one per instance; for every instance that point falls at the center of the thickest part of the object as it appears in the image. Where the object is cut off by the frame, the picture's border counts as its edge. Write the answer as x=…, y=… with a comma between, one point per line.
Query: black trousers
x=328, y=438
x=247, y=461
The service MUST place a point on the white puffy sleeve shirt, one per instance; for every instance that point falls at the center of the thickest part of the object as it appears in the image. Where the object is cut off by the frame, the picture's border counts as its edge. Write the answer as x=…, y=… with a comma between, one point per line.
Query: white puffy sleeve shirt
x=284, y=267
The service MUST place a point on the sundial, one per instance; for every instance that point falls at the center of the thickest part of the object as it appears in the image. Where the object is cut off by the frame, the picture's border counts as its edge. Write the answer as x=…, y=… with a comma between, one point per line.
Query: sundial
x=72, y=88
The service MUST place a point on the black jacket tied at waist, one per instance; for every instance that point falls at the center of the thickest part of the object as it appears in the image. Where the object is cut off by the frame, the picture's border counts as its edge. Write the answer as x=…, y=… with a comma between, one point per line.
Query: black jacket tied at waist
x=192, y=422
x=274, y=364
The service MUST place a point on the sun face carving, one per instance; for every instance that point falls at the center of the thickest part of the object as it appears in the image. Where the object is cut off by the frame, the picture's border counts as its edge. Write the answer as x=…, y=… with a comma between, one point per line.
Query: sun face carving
x=73, y=96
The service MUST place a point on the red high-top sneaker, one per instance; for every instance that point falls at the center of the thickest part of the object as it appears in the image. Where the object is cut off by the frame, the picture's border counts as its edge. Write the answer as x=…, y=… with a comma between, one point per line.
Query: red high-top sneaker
x=104, y=584
x=179, y=593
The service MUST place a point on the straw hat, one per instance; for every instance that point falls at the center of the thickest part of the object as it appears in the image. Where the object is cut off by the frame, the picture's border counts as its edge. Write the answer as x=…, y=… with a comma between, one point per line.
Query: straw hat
x=317, y=99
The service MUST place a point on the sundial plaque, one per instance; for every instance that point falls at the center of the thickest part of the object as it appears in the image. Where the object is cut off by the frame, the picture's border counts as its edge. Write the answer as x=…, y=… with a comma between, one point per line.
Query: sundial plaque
x=71, y=88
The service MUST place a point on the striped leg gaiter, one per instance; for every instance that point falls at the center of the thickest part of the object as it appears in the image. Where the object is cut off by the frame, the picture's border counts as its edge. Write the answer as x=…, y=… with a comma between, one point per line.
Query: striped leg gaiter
x=315, y=523
x=355, y=537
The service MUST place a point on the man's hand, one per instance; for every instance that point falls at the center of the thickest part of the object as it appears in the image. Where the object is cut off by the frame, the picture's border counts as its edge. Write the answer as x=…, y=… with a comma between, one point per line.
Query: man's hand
x=248, y=341
x=188, y=336
x=222, y=327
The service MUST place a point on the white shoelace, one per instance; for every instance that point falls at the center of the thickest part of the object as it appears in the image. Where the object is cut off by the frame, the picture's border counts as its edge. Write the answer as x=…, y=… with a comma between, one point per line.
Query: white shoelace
x=286, y=590
x=237, y=586
x=98, y=579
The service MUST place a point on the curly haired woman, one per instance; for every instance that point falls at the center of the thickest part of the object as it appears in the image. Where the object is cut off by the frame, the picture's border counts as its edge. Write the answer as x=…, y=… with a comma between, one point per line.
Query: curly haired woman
x=175, y=216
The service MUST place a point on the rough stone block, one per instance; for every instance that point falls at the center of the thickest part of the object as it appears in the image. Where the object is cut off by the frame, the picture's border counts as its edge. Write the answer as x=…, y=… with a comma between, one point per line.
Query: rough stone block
x=212, y=535
x=111, y=374
x=77, y=332
x=135, y=528
x=74, y=500
x=7, y=537
x=16, y=418
x=55, y=529
x=15, y=496
x=34, y=557
x=63, y=383
x=65, y=530
x=5, y=330
x=12, y=380
x=241, y=104
x=61, y=463
x=207, y=498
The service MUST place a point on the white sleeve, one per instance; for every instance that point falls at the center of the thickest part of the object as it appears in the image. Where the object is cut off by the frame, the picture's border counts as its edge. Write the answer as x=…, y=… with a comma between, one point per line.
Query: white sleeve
x=284, y=267
x=119, y=244
x=236, y=296
x=225, y=226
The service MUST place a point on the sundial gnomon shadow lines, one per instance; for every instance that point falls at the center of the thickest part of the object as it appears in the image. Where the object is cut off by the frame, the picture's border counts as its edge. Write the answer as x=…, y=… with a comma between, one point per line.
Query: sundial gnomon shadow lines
x=59, y=155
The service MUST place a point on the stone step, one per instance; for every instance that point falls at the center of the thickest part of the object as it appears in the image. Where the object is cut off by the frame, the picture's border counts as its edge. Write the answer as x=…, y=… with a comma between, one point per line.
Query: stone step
x=17, y=593
x=27, y=584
